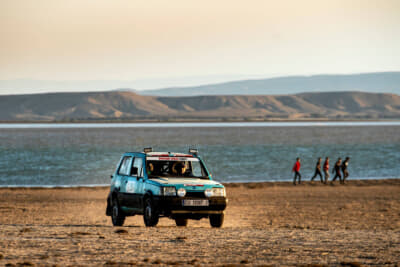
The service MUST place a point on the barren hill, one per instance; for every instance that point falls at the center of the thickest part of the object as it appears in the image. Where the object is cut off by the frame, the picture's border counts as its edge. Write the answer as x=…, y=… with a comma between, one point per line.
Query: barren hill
x=385, y=82
x=131, y=106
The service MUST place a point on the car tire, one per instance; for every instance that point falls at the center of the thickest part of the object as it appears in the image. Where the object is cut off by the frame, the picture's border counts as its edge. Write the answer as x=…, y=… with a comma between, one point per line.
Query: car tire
x=216, y=220
x=150, y=214
x=109, y=207
x=117, y=216
x=181, y=221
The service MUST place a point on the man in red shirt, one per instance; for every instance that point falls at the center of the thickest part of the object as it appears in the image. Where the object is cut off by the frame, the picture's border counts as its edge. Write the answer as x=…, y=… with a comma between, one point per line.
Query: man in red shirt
x=296, y=170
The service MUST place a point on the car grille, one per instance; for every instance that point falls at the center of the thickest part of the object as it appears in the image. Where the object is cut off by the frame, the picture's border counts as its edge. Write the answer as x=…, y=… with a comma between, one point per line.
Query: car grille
x=195, y=194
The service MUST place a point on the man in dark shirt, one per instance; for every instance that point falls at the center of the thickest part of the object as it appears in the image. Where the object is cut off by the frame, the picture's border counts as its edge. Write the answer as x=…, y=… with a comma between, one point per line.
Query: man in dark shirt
x=318, y=170
x=345, y=172
x=336, y=169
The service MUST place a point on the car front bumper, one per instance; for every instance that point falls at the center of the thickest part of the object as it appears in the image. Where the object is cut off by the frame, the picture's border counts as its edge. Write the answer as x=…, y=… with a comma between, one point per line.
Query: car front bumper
x=173, y=206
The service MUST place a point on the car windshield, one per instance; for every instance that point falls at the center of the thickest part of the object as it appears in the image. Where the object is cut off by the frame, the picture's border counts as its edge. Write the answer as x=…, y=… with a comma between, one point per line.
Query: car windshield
x=180, y=168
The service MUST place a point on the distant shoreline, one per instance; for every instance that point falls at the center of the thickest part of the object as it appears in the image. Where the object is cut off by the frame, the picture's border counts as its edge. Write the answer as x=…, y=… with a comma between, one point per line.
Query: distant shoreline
x=355, y=182
x=197, y=121
x=203, y=124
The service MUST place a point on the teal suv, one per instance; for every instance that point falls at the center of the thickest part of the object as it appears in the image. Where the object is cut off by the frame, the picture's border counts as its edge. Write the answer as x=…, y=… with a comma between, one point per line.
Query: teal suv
x=165, y=184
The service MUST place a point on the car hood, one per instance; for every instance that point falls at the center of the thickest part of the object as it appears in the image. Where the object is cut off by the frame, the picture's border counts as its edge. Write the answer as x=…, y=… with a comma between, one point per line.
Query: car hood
x=185, y=181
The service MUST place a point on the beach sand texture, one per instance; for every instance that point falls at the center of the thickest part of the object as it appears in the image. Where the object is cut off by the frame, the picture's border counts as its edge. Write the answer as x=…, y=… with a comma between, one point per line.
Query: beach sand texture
x=265, y=224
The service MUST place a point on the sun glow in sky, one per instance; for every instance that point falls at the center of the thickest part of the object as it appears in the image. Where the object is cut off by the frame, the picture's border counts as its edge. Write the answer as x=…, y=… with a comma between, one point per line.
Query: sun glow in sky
x=128, y=40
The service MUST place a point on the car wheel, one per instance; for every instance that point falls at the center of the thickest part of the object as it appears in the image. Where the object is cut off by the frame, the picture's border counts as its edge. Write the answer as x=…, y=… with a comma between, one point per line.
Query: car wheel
x=109, y=207
x=216, y=220
x=150, y=214
x=181, y=221
x=117, y=216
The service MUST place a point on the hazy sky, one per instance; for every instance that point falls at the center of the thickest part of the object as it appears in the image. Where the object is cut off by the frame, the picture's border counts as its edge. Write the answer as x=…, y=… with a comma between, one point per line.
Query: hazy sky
x=129, y=40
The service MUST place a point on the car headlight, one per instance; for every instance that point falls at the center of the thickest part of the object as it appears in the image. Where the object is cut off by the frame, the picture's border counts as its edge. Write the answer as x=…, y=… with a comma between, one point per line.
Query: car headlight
x=181, y=192
x=215, y=192
x=208, y=192
x=169, y=191
x=218, y=192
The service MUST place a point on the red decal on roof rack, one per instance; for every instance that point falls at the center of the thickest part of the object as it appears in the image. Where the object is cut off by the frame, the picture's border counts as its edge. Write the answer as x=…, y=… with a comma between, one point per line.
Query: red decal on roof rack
x=167, y=158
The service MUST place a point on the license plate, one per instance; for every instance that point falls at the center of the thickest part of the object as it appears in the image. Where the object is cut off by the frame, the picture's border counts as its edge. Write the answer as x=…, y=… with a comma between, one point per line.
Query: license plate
x=195, y=202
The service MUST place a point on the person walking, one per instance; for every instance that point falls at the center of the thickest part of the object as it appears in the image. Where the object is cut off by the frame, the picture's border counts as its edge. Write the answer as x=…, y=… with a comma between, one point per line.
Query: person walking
x=326, y=169
x=336, y=169
x=318, y=171
x=345, y=165
x=296, y=170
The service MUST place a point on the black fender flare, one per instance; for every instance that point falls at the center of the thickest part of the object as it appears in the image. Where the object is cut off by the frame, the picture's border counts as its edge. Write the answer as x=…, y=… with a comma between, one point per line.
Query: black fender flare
x=147, y=195
x=110, y=197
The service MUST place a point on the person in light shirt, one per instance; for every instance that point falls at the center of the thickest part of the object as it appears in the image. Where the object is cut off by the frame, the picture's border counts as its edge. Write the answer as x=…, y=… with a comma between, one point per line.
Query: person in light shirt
x=326, y=169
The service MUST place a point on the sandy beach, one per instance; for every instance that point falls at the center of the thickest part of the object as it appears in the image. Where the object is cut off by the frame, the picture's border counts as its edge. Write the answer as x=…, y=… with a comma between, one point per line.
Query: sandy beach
x=265, y=224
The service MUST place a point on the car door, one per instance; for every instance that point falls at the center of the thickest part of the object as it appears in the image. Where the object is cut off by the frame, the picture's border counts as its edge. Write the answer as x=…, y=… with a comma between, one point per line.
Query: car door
x=139, y=164
x=138, y=174
x=122, y=176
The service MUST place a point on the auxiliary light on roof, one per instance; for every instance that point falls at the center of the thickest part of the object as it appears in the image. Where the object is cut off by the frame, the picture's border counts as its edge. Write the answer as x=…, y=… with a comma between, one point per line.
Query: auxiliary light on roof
x=193, y=151
x=148, y=149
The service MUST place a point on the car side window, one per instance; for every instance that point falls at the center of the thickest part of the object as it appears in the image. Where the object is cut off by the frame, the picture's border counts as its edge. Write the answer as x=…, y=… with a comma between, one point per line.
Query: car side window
x=125, y=166
x=138, y=164
x=196, y=169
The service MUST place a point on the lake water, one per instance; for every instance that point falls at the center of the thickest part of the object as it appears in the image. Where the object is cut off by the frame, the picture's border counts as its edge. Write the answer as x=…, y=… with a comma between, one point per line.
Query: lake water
x=86, y=154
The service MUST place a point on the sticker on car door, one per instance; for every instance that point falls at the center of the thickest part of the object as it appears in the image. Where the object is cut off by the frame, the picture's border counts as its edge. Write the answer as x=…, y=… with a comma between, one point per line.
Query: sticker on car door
x=130, y=187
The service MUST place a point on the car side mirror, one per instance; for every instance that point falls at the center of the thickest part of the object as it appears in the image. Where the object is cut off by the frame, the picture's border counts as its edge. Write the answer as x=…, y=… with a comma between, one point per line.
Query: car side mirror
x=134, y=171
x=111, y=176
